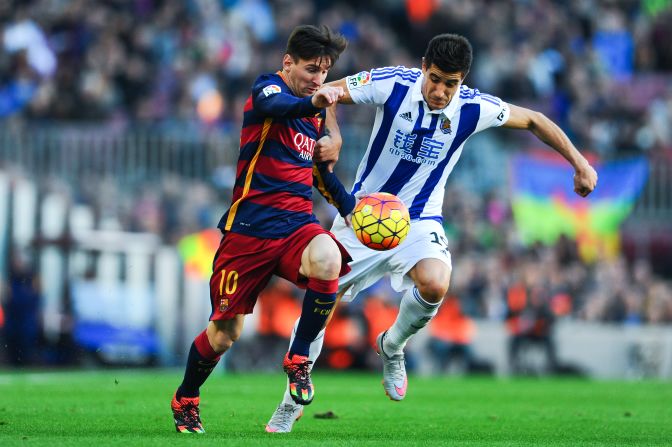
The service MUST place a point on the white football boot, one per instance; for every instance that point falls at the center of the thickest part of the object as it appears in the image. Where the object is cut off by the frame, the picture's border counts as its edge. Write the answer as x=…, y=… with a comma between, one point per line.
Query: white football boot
x=284, y=417
x=395, y=381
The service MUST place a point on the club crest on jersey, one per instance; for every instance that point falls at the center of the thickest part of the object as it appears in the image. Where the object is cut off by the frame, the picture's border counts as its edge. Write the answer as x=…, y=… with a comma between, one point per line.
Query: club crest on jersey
x=445, y=126
x=359, y=80
x=271, y=89
x=223, y=304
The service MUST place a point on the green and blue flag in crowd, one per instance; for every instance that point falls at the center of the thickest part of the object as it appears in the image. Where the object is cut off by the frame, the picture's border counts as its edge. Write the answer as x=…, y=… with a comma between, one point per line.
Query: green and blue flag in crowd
x=545, y=205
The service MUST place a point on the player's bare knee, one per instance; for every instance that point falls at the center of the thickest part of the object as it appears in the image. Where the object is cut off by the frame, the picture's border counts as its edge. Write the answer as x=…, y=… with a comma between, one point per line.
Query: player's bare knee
x=431, y=278
x=433, y=290
x=325, y=262
x=327, y=267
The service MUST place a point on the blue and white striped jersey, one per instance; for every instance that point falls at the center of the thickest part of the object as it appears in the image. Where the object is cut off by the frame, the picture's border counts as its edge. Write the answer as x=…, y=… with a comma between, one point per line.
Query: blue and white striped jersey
x=413, y=149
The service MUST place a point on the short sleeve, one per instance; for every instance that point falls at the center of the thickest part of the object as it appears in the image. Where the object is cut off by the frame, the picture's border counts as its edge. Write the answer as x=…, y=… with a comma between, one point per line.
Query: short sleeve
x=494, y=112
x=375, y=86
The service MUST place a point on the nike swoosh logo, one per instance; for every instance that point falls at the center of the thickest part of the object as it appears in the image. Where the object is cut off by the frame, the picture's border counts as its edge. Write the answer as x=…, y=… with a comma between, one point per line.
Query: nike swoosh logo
x=324, y=302
x=402, y=391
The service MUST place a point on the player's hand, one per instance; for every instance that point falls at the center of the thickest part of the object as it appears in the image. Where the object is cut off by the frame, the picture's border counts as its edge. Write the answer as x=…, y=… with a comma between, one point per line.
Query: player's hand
x=327, y=96
x=585, y=180
x=361, y=193
x=358, y=196
x=327, y=150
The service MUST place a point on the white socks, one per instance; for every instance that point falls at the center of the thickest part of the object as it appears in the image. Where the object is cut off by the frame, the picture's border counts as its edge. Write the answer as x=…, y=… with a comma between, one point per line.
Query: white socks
x=314, y=353
x=414, y=314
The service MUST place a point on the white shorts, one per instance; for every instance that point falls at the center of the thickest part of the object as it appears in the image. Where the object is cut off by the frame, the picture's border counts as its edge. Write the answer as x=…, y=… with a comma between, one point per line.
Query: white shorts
x=426, y=239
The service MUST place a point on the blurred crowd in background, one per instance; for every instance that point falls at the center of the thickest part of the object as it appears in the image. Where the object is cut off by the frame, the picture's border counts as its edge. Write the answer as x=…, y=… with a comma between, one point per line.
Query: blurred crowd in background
x=597, y=67
x=601, y=69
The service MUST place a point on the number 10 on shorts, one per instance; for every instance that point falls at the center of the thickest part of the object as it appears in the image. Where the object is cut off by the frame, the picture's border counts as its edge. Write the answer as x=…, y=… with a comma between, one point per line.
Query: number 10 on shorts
x=228, y=283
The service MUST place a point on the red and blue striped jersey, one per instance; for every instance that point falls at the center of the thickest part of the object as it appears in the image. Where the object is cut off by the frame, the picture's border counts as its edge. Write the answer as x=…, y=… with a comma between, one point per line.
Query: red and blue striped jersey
x=272, y=195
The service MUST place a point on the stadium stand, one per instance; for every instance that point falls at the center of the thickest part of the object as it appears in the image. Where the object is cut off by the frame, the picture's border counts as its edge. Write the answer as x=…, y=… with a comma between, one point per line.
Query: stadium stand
x=128, y=115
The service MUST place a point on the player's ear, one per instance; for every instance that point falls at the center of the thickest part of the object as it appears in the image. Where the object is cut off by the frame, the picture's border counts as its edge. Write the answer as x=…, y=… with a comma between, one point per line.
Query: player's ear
x=287, y=62
x=424, y=66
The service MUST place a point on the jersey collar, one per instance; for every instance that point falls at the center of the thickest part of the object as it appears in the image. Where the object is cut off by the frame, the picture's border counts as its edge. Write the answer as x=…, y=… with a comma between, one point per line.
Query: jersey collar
x=448, y=111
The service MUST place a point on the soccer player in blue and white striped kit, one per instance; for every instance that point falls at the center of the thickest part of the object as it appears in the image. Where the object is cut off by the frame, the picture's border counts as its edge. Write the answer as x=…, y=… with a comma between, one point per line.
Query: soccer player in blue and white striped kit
x=422, y=121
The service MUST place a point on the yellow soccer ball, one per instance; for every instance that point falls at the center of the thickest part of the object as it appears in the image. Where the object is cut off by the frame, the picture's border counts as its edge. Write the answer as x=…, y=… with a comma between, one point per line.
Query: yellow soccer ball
x=381, y=221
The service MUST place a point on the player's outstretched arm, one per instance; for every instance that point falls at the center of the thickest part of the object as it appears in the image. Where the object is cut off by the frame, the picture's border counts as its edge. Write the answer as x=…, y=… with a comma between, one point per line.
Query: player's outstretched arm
x=328, y=149
x=346, y=98
x=585, y=177
x=326, y=96
x=270, y=102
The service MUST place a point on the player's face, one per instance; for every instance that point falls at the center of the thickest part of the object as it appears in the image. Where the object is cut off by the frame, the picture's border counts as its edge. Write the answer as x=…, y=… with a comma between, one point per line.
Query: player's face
x=439, y=87
x=305, y=77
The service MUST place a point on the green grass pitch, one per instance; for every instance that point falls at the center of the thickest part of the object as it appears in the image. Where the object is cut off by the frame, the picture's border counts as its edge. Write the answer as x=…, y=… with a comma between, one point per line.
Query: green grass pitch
x=131, y=408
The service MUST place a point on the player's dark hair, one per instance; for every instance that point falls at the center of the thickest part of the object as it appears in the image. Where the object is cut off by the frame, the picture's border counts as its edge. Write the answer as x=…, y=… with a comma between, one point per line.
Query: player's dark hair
x=308, y=42
x=450, y=52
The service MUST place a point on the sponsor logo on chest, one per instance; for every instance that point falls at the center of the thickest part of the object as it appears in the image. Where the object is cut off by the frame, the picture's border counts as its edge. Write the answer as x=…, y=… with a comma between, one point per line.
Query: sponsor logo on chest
x=421, y=147
x=304, y=145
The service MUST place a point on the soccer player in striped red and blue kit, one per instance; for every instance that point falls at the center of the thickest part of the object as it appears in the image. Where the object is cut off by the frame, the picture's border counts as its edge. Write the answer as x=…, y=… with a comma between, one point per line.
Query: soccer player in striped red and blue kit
x=270, y=227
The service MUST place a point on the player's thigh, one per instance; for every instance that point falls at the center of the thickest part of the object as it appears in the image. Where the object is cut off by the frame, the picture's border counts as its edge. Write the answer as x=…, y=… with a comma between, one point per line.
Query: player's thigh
x=242, y=268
